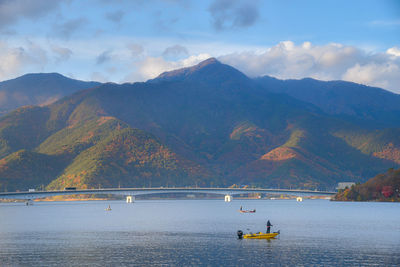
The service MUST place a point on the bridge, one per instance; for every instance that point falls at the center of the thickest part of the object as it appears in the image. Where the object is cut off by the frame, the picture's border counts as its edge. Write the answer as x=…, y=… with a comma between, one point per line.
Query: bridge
x=131, y=193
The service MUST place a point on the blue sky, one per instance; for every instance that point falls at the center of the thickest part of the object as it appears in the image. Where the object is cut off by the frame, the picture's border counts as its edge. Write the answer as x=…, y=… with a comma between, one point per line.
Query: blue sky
x=128, y=41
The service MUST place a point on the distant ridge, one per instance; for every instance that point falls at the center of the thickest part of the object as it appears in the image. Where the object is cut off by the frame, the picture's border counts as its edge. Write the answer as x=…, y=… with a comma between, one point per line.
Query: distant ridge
x=349, y=99
x=38, y=89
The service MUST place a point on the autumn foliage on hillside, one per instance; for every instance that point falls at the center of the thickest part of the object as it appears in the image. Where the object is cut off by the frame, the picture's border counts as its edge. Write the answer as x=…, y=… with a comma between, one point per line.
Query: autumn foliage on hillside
x=383, y=187
x=207, y=125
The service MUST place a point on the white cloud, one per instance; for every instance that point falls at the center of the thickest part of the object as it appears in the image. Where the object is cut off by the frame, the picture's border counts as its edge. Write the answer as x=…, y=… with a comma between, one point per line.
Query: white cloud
x=394, y=51
x=17, y=60
x=328, y=62
x=131, y=60
x=151, y=67
x=386, y=75
x=100, y=77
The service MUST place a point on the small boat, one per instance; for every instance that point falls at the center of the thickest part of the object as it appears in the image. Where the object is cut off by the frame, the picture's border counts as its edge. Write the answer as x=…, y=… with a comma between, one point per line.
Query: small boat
x=109, y=208
x=247, y=211
x=259, y=235
x=241, y=210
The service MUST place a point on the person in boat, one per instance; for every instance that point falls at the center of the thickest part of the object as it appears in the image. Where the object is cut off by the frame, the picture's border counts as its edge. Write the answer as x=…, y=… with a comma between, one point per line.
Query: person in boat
x=241, y=208
x=269, y=227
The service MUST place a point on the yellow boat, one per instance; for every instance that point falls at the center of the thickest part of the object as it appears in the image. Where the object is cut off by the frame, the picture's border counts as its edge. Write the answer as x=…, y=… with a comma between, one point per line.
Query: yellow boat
x=261, y=235
x=258, y=235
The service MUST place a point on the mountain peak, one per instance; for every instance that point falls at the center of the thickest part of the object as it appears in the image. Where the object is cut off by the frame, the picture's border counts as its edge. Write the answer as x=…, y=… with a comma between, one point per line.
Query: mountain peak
x=209, y=61
x=209, y=69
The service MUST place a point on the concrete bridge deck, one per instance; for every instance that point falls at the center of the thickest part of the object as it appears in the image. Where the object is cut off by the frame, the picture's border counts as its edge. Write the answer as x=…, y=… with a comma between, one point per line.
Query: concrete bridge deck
x=132, y=192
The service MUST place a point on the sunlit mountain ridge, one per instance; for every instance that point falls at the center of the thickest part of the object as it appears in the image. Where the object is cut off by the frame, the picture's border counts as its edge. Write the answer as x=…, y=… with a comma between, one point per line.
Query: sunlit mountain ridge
x=204, y=125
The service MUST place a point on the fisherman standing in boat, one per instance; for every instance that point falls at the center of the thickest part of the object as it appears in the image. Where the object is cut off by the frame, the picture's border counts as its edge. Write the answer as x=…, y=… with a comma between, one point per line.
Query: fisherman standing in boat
x=269, y=227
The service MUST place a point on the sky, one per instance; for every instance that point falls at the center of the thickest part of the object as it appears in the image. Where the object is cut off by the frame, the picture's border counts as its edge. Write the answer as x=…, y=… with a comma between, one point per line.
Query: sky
x=130, y=41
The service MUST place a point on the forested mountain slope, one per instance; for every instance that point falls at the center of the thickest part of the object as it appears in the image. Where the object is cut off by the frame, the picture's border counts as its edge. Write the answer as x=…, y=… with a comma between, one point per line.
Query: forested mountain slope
x=205, y=125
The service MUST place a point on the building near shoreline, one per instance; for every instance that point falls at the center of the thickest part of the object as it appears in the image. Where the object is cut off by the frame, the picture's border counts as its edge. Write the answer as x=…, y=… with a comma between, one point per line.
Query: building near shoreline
x=344, y=185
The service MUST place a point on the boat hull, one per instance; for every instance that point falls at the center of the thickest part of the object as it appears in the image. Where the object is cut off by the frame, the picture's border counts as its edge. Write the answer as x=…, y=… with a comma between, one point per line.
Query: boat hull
x=260, y=236
x=247, y=211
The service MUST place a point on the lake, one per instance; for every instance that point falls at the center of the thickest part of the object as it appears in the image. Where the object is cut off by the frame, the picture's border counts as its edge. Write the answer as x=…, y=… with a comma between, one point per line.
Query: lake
x=199, y=233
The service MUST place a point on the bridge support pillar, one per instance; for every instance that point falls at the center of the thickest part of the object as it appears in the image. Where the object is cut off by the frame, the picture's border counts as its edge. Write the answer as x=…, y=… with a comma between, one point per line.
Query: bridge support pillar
x=130, y=199
x=228, y=198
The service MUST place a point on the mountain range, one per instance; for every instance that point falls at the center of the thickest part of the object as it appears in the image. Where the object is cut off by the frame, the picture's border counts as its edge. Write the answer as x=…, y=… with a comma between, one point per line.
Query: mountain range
x=37, y=89
x=206, y=125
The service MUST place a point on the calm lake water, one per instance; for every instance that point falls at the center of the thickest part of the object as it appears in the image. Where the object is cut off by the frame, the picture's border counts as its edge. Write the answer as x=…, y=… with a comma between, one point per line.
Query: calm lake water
x=199, y=233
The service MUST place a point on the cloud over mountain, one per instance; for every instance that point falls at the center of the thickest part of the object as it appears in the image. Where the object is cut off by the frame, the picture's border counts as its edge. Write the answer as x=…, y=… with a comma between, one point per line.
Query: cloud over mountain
x=287, y=60
x=136, y=61
x=151, y=67
x=14, y=60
